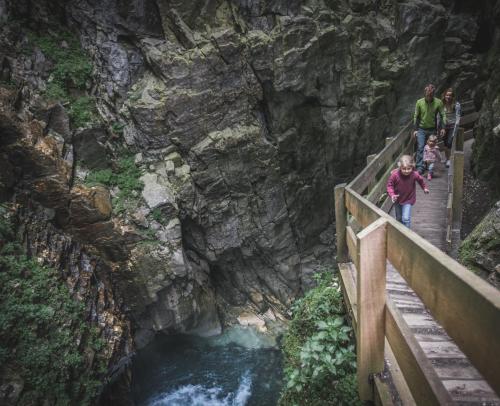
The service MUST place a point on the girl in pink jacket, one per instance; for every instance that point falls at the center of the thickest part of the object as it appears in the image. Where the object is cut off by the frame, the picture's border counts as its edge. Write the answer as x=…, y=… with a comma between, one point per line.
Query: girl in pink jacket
x=402, y=189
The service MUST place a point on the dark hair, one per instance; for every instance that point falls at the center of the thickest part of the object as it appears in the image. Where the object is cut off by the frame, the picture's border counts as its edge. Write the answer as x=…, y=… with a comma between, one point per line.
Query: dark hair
x=430, y=88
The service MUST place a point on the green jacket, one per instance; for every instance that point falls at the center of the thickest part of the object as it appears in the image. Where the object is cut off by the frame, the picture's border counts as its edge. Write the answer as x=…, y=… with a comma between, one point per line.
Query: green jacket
x=426, y=113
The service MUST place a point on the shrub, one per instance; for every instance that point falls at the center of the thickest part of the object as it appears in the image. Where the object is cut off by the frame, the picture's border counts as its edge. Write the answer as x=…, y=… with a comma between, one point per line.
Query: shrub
x=72, y=70
x=43, y=333
x=319, y=358
x=82, y=111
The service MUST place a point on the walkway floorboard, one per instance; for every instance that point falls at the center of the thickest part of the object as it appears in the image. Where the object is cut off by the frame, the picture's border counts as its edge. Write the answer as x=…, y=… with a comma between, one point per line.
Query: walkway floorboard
x=429, y=213
x=459, y=377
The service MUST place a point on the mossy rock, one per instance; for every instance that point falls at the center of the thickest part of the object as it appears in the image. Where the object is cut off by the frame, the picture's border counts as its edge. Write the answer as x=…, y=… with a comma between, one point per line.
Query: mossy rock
x=480, y=251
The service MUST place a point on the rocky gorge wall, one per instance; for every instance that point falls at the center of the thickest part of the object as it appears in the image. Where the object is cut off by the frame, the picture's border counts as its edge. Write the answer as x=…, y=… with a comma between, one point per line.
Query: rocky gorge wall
x=241, y=117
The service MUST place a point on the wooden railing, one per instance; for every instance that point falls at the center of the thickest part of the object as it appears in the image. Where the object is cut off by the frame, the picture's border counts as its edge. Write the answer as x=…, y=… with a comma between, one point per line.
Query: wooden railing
x=467, y=307
x=455, y=190
x=456, y=176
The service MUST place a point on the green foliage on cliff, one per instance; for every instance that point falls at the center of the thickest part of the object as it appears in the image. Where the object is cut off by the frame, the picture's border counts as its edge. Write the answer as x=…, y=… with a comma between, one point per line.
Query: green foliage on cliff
x=125, y=175
x=318, y=349
x=69, y=76
x=43, y=334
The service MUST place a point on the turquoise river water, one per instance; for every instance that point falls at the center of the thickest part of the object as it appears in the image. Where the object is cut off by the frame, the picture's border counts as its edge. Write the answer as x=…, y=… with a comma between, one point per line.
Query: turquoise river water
x=238, y=368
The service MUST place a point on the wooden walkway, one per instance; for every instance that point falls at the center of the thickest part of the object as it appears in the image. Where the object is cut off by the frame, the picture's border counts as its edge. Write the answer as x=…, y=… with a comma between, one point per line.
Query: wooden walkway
x=429, y=213
x=421, y=364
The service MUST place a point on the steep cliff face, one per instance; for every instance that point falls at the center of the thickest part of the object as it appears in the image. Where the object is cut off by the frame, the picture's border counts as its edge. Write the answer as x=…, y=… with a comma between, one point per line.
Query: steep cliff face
x=53, y=224
x=241, y=117
x=485, y=160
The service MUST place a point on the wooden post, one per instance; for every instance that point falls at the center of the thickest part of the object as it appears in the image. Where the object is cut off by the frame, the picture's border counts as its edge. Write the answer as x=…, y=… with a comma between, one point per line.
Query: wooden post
x=370, y=287
x=370, y=158
x=460, y=140
x=388, y=140
x=341, y=223
x=458, y=185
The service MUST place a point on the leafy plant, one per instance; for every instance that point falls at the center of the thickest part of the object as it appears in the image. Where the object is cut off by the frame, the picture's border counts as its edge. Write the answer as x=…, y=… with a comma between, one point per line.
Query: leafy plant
x=125, y=175
x=43, y=333
x=71, y=71
x=157, y=215
x=320, y=362
x=82, y=111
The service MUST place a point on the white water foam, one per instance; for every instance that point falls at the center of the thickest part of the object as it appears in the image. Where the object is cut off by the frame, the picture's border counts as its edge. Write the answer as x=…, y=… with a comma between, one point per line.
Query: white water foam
x=199, y=395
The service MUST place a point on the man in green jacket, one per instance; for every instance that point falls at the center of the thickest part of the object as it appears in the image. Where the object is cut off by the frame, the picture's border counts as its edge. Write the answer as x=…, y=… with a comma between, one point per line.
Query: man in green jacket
x=425, y=121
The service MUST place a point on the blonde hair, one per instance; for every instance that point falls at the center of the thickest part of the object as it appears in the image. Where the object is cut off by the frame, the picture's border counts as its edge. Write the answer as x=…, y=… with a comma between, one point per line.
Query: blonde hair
x=406, y=160
x=432, y=138
x=452, y=102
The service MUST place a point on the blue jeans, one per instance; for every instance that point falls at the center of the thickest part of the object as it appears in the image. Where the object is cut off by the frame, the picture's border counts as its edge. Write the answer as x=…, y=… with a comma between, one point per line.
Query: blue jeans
x=422, y=136
x=430, y=167
x=403, y=213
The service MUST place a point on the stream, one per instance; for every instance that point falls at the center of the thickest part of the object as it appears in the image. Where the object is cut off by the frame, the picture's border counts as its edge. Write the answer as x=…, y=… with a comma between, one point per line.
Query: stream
x=240, y=367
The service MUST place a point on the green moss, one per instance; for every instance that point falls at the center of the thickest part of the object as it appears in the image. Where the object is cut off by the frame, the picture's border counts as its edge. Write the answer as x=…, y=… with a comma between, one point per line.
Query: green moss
x=117, y=127
x=9, y=84
x=126, y=176
x=479, y=240
x=69, y=76
x=82, y=111
x=157, y=215
x=318, y=350
x=43, y=333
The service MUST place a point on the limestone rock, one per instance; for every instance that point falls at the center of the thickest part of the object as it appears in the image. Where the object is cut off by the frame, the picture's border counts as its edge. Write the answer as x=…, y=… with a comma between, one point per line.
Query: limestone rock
x=156, y=194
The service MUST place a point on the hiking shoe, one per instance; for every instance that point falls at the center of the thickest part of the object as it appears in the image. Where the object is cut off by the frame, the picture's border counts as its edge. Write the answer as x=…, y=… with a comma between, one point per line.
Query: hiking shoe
x=429, y=176
x=448, y=163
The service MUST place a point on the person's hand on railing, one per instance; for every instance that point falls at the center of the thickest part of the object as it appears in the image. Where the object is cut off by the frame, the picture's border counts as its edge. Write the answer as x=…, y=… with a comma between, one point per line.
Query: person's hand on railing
x=394, y=198
x=426, y=191
x=414, y=135
x=442, y=132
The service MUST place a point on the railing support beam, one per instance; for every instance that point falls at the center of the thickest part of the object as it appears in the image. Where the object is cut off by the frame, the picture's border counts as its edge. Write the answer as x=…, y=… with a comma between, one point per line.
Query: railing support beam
x=341, y=223
x=458, y=186
x=370, y=281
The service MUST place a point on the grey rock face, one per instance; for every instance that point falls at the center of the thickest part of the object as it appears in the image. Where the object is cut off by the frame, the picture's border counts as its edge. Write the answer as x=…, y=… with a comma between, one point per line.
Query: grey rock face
x=487, y=146
x=243, y=116
x=266, y=105
x=156, y=194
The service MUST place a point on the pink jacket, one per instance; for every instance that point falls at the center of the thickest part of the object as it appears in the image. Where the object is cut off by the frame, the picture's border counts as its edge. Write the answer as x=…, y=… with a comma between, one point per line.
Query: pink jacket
x=404, y=186
x=431, y=154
